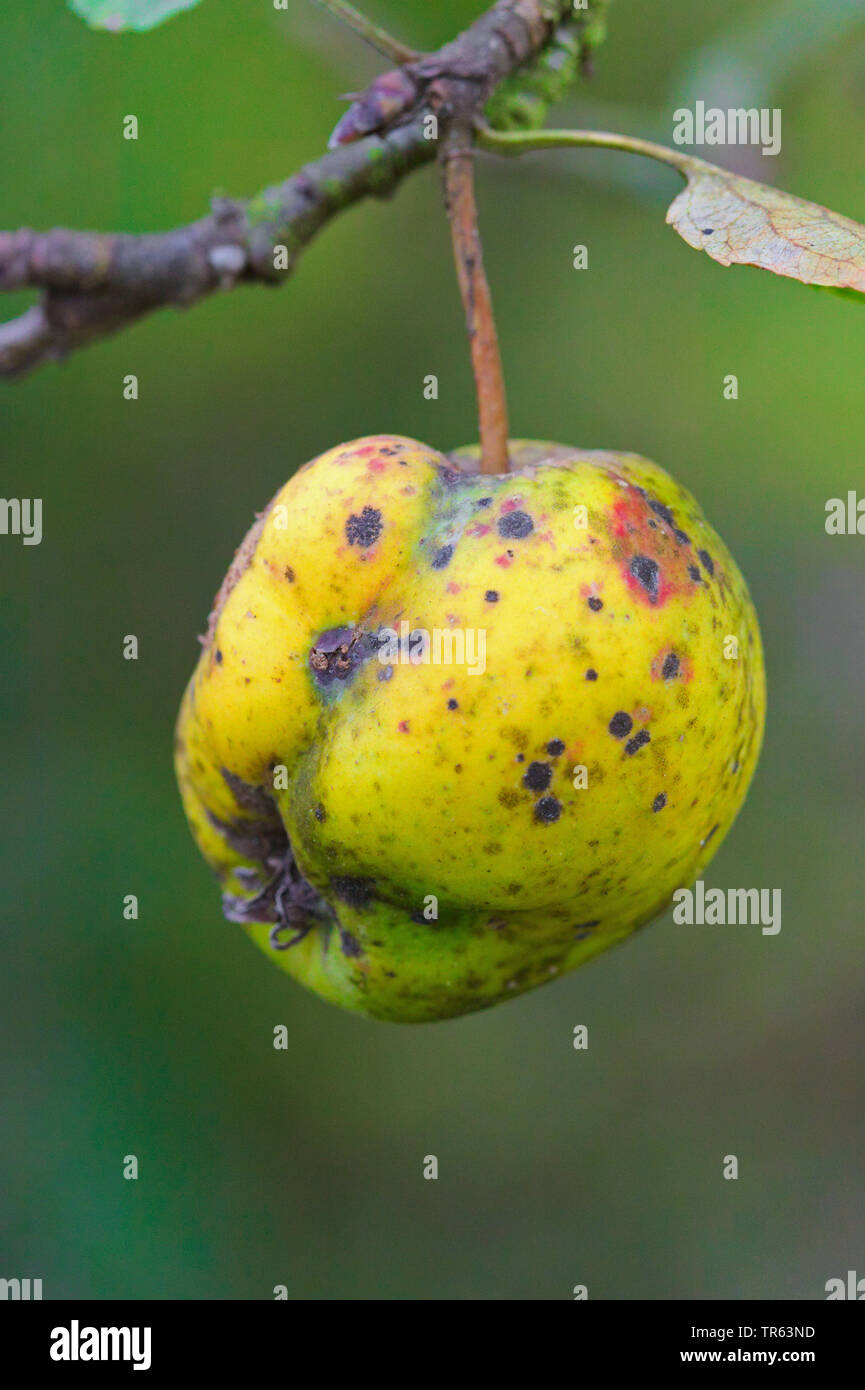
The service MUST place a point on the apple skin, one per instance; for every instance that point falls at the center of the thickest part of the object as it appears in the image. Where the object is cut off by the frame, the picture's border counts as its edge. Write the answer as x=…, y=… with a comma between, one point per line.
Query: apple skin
x=417, y=840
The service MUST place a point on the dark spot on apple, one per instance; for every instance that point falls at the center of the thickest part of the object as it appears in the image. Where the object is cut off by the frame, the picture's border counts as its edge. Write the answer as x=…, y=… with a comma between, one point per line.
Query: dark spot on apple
x=670, y=667
x=537, y=777
x=682, y=537
x=451, y=476
x=350, y=944
x=548, y=809
x=663, y=512
x=442, y=557
x=708, y=562
x=621, y=724
x=218, y=657
x=485, y=502
x=492, y=595
x=595, y=604
x=639, y=741
x=555, y=747
x=338, y=651
x=591, y=674
x=320, y=813
x=452, y=704
x=646, y=572
x=250, y=797
x=364, y=530
x=659, y=802
x=357, y=892
x=515, y=525
x=694, y=573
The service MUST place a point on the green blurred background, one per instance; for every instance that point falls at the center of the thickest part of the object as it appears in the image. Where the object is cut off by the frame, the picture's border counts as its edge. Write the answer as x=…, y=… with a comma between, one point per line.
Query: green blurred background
x=154, y=1037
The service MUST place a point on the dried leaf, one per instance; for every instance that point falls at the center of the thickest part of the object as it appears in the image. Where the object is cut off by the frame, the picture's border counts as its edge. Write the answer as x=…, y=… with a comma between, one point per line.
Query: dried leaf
x=118, y=15
x=740, y=222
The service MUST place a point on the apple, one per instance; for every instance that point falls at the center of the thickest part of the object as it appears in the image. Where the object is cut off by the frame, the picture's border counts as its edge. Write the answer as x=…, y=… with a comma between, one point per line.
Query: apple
x=451, y=735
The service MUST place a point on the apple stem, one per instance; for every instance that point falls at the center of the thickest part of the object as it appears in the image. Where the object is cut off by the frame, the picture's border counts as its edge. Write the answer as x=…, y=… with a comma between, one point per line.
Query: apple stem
x=459, y=187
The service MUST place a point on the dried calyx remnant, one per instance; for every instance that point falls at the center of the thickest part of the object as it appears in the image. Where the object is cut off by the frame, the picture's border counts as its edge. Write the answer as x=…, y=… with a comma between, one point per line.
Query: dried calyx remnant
x=283, y=895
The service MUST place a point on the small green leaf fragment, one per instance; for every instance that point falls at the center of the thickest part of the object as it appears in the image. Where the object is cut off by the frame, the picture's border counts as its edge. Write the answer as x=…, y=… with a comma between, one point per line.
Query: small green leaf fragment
x=120, y=15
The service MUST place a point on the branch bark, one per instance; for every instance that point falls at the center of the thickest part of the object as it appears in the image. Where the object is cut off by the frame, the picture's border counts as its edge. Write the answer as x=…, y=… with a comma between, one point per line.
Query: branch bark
x=95, y=284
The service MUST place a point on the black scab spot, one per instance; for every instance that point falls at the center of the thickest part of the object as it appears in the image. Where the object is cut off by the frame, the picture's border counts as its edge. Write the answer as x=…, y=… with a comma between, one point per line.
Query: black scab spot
x=709, y=836
x=451, y=476
x=452, y=704
x=694, y=573
x=591, y=674
x=485, y=502
x=621, y=724
x=595, y=604
x=442, y=557
x=659, y=802
x=548, y=809
x=708, y=562
x=357, y=892
x=670, y=667
x=663, y=512
x=218, y=657
x=320, y=813
x=537, y=777
x=555, y=747
x=515, y=525
x=584, y=929
x=639, y=741
x=364, y=530
x=492, y=595
x=682, y=537
x=350, y=944
x=646, y=572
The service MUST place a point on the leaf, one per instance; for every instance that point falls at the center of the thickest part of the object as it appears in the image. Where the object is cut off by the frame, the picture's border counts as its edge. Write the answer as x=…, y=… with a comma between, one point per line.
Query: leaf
x=118, y=15
x=739, y=222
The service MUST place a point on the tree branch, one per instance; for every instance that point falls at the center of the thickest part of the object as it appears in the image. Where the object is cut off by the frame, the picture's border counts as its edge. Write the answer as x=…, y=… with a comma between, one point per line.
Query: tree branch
x=94, y=284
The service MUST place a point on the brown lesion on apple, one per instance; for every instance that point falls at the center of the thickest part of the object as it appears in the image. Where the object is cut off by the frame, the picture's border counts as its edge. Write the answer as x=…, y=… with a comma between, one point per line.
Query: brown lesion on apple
x=338, y=651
